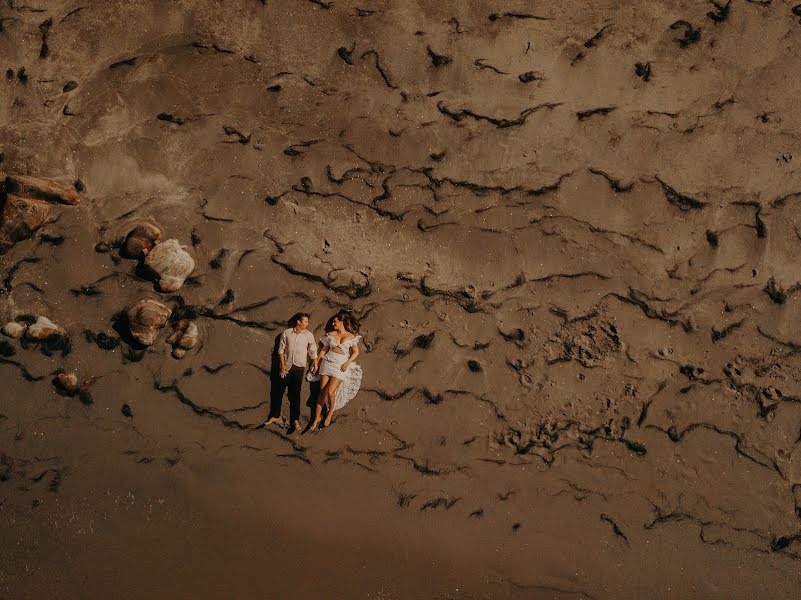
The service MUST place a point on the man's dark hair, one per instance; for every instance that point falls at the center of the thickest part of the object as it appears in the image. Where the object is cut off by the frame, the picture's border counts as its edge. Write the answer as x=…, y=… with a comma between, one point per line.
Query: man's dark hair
x=296, y=317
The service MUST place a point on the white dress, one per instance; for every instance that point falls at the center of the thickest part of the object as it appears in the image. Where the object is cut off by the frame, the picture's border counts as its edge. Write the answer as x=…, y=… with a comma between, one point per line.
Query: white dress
x=332, y=362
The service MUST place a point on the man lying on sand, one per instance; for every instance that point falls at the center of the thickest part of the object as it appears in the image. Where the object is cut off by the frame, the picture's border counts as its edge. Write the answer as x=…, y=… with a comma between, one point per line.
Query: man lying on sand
x=295, y=348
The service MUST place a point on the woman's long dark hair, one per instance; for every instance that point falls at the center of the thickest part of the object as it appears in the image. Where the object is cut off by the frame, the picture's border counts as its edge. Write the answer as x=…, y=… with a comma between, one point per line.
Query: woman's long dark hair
x=348, y=320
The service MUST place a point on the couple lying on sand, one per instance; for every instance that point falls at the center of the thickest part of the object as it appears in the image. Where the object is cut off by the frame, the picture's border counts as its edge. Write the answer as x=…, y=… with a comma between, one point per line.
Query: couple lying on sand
x=332, y=366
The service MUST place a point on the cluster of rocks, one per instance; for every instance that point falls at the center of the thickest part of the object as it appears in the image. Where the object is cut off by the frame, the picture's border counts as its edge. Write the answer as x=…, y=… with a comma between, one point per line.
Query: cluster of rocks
x=27, y=203
x=41, y=329
x=168, y=261
x=170, y=264
x=148, y=317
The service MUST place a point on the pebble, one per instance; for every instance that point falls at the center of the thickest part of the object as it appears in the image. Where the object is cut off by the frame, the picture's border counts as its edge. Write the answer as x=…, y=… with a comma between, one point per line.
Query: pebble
x=13, y=330
x=146, y=318
x=43, y=328
x=141, y=239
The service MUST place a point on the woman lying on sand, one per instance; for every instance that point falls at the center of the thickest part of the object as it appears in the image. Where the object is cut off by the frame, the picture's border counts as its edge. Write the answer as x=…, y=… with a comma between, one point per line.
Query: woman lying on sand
x=338, y=350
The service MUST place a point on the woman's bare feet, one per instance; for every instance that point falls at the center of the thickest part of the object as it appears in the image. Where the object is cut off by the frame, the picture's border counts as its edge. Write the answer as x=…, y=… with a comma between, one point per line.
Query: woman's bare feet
x=328, y=417
x=312, y=426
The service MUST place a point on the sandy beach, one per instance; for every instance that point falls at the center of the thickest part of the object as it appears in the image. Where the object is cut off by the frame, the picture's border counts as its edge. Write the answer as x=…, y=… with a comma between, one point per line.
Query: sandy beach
x=570, y=233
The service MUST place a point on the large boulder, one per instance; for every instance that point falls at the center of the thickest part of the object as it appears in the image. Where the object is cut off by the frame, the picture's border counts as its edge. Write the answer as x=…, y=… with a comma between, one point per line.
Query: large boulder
x=42, y=189
x=141, y=239
x=171, y=264
x=20, y=217
x=146, y=318
x=27, y=203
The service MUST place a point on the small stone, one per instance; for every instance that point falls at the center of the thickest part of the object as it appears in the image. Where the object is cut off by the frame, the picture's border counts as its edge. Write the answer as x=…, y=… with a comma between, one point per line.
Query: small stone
x=126, y=410
x=145, y=318
x=184, y=338
x=171, y=264
x=43, y=328
x=67, y=381
x=42, y=189
x=141, y=240
x=14, y=330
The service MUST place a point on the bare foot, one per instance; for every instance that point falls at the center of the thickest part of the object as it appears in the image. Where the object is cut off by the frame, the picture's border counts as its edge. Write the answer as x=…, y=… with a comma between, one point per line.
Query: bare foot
x=328, y=418
x=295, y=427
x=272, y=420
x=312, y=426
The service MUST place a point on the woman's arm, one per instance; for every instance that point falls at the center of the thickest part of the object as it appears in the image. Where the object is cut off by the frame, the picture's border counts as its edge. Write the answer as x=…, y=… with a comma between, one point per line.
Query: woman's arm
x=354, y=353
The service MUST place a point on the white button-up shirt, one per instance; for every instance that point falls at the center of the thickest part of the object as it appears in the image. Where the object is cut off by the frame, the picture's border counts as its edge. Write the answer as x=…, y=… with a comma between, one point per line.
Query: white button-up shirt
x=297, y=346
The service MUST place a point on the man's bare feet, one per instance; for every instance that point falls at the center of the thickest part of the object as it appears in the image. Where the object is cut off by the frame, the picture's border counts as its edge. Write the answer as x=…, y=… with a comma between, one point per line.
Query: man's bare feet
x=272, y=420
x=295, y=427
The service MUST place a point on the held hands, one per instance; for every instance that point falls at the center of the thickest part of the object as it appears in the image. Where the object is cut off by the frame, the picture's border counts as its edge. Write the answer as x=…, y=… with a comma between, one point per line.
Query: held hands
x=284, y=371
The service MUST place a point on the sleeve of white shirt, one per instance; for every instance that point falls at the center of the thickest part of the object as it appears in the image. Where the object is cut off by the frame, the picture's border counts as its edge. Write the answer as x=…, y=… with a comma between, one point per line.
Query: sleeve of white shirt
x=282, y=344
x=312, y=347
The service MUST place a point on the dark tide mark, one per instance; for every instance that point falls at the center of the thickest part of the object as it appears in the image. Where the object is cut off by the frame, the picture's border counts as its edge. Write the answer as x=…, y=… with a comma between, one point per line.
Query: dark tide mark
x=438, y=60
x=216, y=262
x=775, y=291
x=514, y=15
x=170, y=118
x=720, y=12
x=53, y=240
x=586, y=114
x=240, y=137
x=435, y=503
x=517, y=335
x=615, y=528
x=691, y=34
x=404, y=500
x=345, y=54
x=530, y=76
x=129, y=62
x=679, y=200
x=102, y=340
x=44, y=31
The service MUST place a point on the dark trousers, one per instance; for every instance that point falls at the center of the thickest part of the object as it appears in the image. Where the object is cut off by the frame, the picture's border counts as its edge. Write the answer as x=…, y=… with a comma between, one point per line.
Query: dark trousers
x=293, y=381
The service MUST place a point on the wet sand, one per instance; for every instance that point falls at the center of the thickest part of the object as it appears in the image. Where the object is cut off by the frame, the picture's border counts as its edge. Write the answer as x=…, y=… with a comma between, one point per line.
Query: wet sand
x=570, y=234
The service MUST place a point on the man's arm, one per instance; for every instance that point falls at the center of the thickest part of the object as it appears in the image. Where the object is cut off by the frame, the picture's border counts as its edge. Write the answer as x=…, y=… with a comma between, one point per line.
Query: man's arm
x=281, y=352
x=312, y=347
